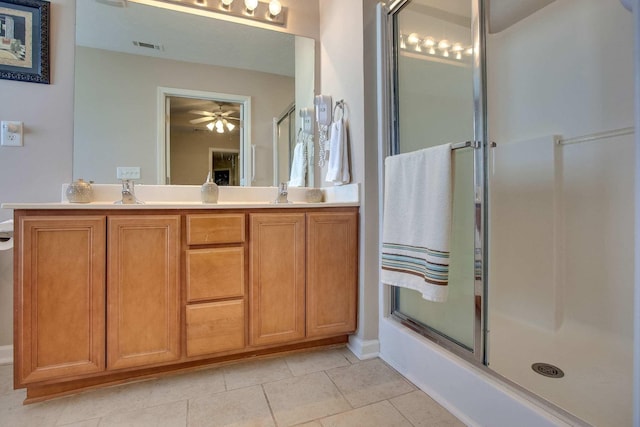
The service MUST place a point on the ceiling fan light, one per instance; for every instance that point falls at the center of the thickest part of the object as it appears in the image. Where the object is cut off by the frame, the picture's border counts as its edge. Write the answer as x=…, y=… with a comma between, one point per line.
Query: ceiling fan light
x=230, y=126
x=210, y=126
x=275, y=8
x=219, y=126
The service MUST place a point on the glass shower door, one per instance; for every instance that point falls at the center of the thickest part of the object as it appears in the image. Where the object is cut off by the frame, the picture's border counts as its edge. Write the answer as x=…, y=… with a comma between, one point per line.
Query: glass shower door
x=434, y=104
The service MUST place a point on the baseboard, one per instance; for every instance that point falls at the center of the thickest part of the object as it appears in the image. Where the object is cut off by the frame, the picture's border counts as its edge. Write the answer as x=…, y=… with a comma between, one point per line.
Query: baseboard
x=363, y=349
x=6, y=354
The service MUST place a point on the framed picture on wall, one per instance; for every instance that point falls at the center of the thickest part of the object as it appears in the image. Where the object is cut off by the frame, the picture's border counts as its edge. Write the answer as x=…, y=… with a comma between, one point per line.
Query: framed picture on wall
x=24, y=40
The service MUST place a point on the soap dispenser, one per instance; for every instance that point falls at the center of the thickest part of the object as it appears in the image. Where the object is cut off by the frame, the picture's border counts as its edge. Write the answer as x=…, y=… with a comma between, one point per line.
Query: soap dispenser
x=209, y=191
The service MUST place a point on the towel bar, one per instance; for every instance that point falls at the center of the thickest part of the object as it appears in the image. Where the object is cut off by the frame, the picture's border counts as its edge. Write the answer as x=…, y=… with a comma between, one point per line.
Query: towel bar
x=465, y=144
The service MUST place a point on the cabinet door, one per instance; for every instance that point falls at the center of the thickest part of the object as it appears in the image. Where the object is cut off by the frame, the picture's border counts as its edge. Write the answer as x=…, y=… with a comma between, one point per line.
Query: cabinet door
x=332, y=274
x=59, y=297
x=143, y=290
x=276, y=275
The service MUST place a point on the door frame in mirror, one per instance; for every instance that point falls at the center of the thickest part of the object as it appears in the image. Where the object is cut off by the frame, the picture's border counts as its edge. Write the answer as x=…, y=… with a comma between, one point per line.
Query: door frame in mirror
x=163, y=159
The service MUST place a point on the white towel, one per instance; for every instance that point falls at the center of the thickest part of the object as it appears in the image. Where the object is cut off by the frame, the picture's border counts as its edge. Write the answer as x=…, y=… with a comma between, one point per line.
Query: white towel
x=417, y=221
x=338, y=168
x=298, y=166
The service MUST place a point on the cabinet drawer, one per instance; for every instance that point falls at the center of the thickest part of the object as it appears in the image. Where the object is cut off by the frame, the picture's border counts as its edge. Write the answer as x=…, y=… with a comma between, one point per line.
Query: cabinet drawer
x=215, y=273
x=208, y=229
x=215, y=327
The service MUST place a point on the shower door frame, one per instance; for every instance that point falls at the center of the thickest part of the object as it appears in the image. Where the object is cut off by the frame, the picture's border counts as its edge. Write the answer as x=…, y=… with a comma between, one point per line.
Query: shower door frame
x=390, y=145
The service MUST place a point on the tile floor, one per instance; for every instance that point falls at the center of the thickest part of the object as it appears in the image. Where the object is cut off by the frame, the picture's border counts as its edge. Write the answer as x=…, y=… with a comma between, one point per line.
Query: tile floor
x=325, y=388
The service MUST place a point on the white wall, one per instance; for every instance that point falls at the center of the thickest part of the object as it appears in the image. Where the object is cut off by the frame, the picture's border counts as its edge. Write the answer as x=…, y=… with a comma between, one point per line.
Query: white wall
x=568, y=70
x=106, y=137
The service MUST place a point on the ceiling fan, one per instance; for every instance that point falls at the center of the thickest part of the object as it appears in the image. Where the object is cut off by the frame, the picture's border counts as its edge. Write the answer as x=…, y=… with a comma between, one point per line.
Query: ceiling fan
x=218, y=120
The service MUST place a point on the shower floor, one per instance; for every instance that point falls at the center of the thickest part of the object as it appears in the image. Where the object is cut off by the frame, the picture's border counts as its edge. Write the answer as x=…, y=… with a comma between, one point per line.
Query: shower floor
x=597, y=386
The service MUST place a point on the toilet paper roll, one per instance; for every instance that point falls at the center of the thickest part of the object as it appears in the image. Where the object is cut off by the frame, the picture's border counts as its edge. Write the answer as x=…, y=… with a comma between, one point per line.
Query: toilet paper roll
x=5, y=246
x=6, y=227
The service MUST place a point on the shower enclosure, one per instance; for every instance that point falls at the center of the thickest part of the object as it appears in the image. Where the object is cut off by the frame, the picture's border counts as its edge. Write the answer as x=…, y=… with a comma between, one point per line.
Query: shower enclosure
x=538, y=102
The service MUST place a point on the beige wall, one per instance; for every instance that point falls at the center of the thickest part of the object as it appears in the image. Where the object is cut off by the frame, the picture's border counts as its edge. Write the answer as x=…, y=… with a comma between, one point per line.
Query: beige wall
x=107, y=137
x=343, y=77
x=36, y=171
x=190, y=154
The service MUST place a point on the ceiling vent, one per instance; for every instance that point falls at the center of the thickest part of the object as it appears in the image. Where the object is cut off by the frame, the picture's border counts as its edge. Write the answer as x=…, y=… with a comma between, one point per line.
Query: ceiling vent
x=116, y=3
x=148, y=45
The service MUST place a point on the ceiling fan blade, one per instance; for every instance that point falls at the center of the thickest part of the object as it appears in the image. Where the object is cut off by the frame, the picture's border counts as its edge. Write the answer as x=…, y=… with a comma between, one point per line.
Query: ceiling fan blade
x=232, y=118
x=201, y=120
x=202, y=113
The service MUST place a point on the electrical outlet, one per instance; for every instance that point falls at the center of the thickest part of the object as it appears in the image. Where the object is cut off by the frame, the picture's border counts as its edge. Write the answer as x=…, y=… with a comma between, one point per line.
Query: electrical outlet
x=128, y=172
x=11, y=134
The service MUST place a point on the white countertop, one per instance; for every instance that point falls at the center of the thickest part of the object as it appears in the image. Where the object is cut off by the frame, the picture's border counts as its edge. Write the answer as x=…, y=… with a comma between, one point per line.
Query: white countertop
x=188, y=197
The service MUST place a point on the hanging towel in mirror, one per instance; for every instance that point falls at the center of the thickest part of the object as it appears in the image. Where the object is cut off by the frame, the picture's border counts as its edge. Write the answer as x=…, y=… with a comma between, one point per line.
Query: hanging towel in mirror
x=298, y=166
x=338, y=166
x=417, y=221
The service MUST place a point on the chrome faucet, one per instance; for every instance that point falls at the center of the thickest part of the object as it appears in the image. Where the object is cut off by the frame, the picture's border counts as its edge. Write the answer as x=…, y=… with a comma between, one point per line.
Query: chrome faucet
x=282, y=193
x=128, y=194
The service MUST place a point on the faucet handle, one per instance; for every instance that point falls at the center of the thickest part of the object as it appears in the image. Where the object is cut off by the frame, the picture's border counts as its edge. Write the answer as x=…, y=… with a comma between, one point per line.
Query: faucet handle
x=283, y=188
x=282, y=193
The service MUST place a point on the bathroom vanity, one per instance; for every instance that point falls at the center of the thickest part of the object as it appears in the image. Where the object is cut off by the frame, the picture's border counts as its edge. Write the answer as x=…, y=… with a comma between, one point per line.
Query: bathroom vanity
x=110, y=293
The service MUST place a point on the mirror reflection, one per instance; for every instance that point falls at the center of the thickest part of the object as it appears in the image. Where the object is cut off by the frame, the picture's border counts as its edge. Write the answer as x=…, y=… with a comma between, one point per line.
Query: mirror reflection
x=130, y=61
x=198, y=126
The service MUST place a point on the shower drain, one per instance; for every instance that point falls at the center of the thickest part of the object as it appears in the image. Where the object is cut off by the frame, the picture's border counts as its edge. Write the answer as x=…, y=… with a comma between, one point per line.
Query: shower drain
x=547, y=370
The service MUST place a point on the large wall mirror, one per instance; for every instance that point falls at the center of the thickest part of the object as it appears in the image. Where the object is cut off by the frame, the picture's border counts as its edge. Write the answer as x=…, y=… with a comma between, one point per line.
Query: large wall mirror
x=145, y=76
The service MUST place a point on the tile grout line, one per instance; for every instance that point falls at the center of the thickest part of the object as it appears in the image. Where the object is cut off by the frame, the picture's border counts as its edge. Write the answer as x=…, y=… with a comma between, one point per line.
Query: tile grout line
x=339, y=391
x=398, y=409
x=273, y=416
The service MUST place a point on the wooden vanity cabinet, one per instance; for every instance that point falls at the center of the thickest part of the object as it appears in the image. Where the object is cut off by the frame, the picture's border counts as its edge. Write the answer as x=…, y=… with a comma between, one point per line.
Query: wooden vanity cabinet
x=215, y=283
x=59, y=297
x=107, y=296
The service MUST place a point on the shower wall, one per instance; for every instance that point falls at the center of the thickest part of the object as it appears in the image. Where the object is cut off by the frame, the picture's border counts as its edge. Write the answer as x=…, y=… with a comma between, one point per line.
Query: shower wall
x=566, y=70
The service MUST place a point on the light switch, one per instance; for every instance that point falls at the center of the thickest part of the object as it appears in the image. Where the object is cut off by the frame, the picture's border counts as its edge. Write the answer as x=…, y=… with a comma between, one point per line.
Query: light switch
x=11, y=134
x=128, y=172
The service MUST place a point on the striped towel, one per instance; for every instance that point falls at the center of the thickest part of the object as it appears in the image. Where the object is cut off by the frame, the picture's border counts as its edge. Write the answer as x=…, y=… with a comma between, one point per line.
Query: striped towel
x=417, y=221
